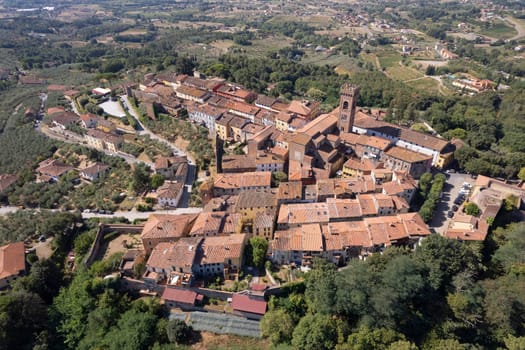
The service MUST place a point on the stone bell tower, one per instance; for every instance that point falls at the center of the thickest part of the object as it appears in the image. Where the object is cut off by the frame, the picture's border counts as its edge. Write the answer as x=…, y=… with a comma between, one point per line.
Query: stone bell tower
x=347, y=107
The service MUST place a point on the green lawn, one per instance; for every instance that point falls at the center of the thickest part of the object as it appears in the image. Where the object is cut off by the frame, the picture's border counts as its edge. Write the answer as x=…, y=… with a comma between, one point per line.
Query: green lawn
x=390, y=59
x=403, y=73
x=499, y=30
x=427, y=85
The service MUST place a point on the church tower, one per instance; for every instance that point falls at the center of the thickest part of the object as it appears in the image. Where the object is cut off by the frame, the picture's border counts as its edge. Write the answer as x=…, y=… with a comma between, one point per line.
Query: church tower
x=347, y=107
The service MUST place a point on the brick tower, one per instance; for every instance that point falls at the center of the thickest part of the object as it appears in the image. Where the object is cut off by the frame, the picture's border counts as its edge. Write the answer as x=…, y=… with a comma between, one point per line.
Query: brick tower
x=347, y=107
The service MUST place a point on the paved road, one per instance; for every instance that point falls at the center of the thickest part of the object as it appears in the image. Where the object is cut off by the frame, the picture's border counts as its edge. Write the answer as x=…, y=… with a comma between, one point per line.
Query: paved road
x=70, y=137
x=133, y=215
x=451, y=189
x=130, y=215
x=176, y=151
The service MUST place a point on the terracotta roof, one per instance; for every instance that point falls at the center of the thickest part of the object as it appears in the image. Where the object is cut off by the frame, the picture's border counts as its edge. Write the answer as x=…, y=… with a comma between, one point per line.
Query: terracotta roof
x=350, y=138
x=256, y=199
x=303, y=108
x=167, y=226
x=53, y=110
x=263, y=220
x=303, y=213
x=301, y=139
x=106, y=137
x=243, y=108
x=244, y=303
x=235, y=91
x=208, y=223
x=53, y=167
x=319, y=125
x=406, y=155
x=12, y=259
x=170, y=189
x=94, y=169
x=183, y=296
x=232, y=223
x=221, y=248
x=191, y=91
x=290, y=190
x=88, y=116
x=225, y=119
x=238, y=122
x=238, y=162
x=180, y=254
x=284, y=117
x=374, y=142
x=307, y=237
x=65, y=118
x=364, y=165
x=344, y=208
x=266, y=101
x=244, y=180
x=207, y=109
x=339, y=235
x=280, y=106
x=7, y=180
x=167, y=162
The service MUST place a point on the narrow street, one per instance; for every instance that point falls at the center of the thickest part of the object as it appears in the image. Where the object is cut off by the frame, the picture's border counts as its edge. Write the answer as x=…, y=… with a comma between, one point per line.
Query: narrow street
x=184, y=202
x=130, y=215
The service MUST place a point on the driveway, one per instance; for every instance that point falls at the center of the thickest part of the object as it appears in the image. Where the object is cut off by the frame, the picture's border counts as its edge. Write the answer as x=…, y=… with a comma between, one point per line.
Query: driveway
x=451, y=189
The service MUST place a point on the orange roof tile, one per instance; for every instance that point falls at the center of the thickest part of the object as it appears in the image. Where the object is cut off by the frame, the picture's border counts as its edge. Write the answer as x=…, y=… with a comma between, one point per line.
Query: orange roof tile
x=12, y=259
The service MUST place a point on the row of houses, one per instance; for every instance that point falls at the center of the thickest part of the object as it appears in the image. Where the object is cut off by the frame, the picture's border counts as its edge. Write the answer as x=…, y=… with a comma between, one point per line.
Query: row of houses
x=50, y=170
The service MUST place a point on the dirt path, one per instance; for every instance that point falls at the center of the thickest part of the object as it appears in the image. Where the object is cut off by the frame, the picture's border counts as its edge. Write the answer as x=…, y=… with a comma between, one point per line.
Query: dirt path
x=518, y=26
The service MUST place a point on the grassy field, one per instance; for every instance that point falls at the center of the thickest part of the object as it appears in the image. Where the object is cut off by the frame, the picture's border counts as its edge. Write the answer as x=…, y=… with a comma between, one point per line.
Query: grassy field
x=428, y=85
x=389, y=59
x=263, y=46
x=499, y=30
x=403, y=73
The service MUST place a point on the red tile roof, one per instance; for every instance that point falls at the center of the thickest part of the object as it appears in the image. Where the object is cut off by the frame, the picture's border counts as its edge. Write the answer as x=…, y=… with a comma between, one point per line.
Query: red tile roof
x=182, y=296
x=12, y=259
x=244, y=303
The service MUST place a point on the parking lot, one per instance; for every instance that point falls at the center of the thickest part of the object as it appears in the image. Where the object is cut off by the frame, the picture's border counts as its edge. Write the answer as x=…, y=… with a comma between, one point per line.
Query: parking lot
x=451, y=190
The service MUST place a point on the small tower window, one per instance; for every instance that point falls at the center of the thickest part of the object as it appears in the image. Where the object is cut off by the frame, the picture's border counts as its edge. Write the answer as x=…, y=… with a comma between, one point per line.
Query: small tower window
x=345, y=105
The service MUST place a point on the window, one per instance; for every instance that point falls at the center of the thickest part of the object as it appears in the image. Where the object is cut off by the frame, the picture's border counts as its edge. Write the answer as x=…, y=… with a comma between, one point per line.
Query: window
x=345, y=105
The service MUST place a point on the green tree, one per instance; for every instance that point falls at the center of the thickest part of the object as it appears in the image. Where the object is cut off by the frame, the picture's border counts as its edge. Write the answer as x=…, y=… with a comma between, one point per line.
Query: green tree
x=425, y=181
x=156, y=181
x=278, y=326
x=444, y=344
x=134, y=330
x=278, y=177
x=140, y=180
x=471, y=209
x=510, y=254
x=521, y=174
x=372, y=339
x=178, y=331
x=315, y=332
x=44, y=279
x=23, y=316
x=257, y=247
x=444, y=258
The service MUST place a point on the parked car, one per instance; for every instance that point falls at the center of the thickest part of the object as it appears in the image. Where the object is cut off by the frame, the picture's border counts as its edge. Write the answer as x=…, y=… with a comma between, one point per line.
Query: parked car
x=455, y=208
x=450, y=214
x=459, y=200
